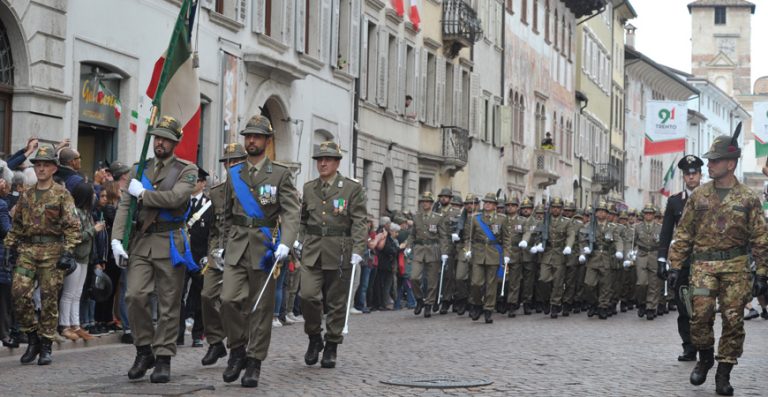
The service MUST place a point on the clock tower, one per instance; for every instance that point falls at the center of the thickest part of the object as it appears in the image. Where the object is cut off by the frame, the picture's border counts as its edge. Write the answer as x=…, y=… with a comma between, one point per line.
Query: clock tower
x=720, y=43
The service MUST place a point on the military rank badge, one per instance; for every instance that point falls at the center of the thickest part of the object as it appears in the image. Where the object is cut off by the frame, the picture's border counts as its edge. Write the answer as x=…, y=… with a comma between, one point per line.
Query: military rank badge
x=267, y=194
x=339, y=205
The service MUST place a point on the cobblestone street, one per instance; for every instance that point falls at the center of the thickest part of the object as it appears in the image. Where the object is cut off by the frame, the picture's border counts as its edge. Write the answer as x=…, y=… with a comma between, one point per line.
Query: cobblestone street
x=527, y=355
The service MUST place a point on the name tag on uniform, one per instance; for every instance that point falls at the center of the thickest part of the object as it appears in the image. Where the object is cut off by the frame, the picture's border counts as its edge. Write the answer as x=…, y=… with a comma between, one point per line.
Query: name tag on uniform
x=433, y=228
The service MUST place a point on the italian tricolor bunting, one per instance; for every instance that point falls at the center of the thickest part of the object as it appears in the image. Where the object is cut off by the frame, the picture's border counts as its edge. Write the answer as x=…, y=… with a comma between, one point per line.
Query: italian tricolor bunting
x=669, y=177
x=670, y=146
x=414, y=14
x=134, y=121
x=178, y=93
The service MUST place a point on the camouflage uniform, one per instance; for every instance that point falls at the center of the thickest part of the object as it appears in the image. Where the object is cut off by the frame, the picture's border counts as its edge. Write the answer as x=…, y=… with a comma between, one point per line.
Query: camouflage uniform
x=648, y=292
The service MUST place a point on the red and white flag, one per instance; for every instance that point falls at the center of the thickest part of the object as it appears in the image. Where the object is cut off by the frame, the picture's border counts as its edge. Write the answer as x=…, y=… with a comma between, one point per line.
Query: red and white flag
x=399, y=7
x=669, y=178
x=414, y=13
x=179, y=94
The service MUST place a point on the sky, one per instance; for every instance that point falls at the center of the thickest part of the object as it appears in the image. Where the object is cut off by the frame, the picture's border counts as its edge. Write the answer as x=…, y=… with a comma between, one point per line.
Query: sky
x=664, y=33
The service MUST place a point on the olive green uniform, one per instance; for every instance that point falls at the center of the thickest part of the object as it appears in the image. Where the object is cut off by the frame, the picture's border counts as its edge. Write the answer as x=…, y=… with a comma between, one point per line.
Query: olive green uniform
x=333, y=227
x=516, y=255
x=485, y=256
x=429, y=239
x=530, y=261
x=150, y=271
x=649, y=286
x=212, y=279
x=44, y=227
x=552, y=260
x=600, y=264
x=572, y=266
x=452, y=216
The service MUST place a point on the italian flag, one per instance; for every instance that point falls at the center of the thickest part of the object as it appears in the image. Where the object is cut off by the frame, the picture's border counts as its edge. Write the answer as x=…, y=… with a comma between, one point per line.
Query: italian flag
x=118, y=108
x=399, y=7
x=175, y=87
x=414, y=14
x=652, y=148
x=761, y=148
x=134, y=121
x=666, y=189
x=100, y=93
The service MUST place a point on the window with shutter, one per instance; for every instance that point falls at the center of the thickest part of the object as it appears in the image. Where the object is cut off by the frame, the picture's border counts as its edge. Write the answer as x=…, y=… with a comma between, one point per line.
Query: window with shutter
x=287, y=23
x=355, y=53
x=456, y=109
x=474, y=97
x=382, y=68
x=440, y=91
x=325, y=29
x=259, y=16
x=447, y=104
x=393, y=75
x=334, y=56
x=505, y=124
x=399, y=98
x=300, y=25
x=431, y=92
x=421, y=66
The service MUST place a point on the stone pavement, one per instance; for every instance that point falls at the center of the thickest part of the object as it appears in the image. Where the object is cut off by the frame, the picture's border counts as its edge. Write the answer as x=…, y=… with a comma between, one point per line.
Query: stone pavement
x=527, y=355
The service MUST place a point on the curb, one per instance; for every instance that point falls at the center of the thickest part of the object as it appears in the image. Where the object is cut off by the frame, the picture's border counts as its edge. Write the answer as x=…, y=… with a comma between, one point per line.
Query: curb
x=66, y=344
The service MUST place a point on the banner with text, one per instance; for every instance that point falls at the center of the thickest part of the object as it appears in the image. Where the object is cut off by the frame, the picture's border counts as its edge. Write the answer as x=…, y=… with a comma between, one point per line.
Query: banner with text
x=666, y=126
x=760, y=128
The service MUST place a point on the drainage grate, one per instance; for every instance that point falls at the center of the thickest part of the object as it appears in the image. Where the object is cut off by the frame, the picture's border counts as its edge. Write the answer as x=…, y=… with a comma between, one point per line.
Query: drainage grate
x=437, y=382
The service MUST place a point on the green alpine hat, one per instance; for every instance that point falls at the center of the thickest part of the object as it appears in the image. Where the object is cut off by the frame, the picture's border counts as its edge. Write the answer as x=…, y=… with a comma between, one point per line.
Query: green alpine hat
x=259, y=125
x=445, y=192
x=490, y=198
x=557, y=202
x=725, y=147
x=168, y=128
x=233, y=151
x=45, y=153
x=426, y=196
x=327, y=149
x=456, y=199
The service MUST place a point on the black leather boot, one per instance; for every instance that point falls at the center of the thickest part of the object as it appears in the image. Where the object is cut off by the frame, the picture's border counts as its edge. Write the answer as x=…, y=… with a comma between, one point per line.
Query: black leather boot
x=641, y=311
x=143, y=362
x=313, y=350
x=705, y=363
x=566, y=309
x=45, y=352
x=488, y=315
x=555, y=311
x=428, y=310
x=689, y=354
x=592, y=311
x=650, y=315
x=252, y=372
x=547, y=307
x=461, y=307
x=235, y=364
x=435, y=307
x=329, y=355
x=723, y=379
x=215, y=352
x=33, y=348
x=475, y=312
x=526, y=308
x=501, y=307
x=162, y=372
x=419, y=306
x=602, y=313
x=444, y=306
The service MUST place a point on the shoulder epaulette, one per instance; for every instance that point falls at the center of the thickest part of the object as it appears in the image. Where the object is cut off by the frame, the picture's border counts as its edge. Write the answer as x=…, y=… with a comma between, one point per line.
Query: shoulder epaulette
x=279, y=164
x=185, y=162
x=352, y=179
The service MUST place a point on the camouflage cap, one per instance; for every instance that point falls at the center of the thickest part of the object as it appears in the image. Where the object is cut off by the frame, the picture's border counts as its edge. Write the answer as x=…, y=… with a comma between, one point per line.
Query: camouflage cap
x=557, y=202
x=723, y=148
x=327, y=149
x=45, y=153
x=233, y=151
x=514, y=200
x=445, y=192
x=118, y=169
x=649, y=208
x=259, y=125
x=456, y=199
x=426, y=196
x=490, y=198
x=168, y=128
x=526, y=203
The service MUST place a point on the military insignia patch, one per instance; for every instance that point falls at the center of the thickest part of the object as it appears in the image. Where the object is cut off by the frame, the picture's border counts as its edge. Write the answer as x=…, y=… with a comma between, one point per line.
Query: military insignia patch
x=190, y=178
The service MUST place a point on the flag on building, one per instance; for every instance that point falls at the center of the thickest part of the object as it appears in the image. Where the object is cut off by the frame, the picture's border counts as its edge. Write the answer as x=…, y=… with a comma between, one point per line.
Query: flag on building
x=118, y=108
x=134, y=121
x=760, y=128
x=175, y=87
x=669, y=177
x=100, y=93
x=399, y=7
x=414, y=14
x=666, y=126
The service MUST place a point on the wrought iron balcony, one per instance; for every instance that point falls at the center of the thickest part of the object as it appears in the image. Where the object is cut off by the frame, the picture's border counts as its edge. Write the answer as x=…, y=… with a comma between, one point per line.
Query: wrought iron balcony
x=582, y=8
x=455, y=147
x=545, y=167
x=607, y=175
x=461, y=27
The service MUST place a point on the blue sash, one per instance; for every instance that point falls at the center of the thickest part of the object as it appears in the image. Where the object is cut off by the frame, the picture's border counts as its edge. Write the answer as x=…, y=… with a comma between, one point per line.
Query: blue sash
x=253, y=210
x=492, y=239
x=166, y=216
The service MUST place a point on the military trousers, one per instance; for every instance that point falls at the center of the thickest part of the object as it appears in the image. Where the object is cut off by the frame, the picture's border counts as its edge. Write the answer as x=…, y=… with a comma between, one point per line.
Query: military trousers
x=315, y=282
x=553, y=275
x=616, y=280
x=431, y=270
x=210, y=302
x=461, y=290
x=683, y=317
x=571, y=281
x=449, y=278
x=581, y=274
x=50, y=279
x=598, y=280
x=239, y=291
x=732, y=290
x=648, y=291
x=151, y=276
x=514, y=282
x=530, y=275
x=484, y=275
x=628, y=282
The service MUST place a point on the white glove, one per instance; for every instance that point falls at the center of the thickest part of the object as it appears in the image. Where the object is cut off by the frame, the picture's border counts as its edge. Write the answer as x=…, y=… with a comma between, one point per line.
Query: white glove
x=567, y=250
x=632, y=255
x=506, y=260
x=119, y=253
x=136, y=188
x=408, y=252
x=619, y=255
x=444, y=258
x=533, y=250
x=356, y=259
x=468, y=255
x=455, y=237
x=539, y=247
x=297, y=245
x=582, y=259
x=627, y=264
x=281, y=252
x=586, y=250
x=203, y=261
x=523, y=244
x=217, y=253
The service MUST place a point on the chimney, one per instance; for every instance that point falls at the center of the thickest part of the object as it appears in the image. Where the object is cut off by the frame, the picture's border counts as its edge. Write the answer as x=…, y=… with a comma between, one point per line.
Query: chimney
x=630, y=38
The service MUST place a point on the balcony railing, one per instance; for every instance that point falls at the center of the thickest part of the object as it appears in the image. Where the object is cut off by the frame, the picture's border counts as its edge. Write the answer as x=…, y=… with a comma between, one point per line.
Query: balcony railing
x=455, y=146
x=461, y=27
x=545, y=167
x=607, y=175
x=581, y=8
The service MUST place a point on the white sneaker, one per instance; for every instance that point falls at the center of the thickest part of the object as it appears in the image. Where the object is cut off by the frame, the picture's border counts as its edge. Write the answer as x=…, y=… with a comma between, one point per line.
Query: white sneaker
x=276, y=323
x=290, y=318
x=352, y=310
x=299, y=318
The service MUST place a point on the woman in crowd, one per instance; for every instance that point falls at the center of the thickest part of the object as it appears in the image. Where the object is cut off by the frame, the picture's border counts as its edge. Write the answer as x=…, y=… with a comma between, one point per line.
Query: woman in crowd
x=388, y=250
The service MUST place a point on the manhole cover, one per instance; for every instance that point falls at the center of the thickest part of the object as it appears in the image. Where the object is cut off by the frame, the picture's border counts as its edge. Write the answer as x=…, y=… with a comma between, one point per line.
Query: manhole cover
x=436, y=382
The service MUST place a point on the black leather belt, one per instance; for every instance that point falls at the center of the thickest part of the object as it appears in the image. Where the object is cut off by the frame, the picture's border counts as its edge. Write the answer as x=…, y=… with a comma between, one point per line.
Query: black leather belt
x=424, y=242
x=162, y=227
x=247, y=221
x=724, y=255
x=329, y=231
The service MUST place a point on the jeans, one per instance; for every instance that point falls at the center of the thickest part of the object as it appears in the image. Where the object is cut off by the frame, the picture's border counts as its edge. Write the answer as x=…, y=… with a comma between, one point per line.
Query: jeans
x=404, y=288
x=279, y=291
x=362, y=299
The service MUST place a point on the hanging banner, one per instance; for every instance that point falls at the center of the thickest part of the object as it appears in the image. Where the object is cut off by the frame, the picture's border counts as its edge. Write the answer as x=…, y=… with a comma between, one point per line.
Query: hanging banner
x=229, y=95
x=666, y=126
x=760, y=128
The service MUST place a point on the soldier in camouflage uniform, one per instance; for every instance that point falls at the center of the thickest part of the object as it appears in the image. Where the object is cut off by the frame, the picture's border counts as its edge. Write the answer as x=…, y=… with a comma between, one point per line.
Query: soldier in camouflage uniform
x=529, y=261
x=648, y=291
x=515, y=267
x=572, y=261
x=720, y=221
x=452, y=214
x=600, y=259
x=429, y=242
x=462, y=264
x=45, y=230
x=489, y=252
x=234, y=153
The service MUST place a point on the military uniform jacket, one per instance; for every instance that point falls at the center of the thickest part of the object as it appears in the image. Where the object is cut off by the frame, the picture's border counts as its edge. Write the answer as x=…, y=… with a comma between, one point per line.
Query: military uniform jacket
x=709, y=225
x=608, y=241
x=217, y=233
x=647, y=237
x=483, y=251
x=531, y=234
x=430, y=236
x=283, y=206
x=672, y=214
x=576, y=227
x=333, y=225
x=561, y=234
x=52, y=215
x=176, y=200
x=517, y=230
x=452, y=215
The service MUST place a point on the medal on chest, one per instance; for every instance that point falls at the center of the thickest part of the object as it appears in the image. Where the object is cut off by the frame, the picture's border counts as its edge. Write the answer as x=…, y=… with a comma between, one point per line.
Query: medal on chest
x=339, y=205
x=267, y=194
x=495, y=228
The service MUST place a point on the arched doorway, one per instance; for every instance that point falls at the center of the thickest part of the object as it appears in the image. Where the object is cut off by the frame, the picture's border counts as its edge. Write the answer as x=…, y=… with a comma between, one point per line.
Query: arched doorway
x=387, y=193
x=281, y=146
x=98, y=116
